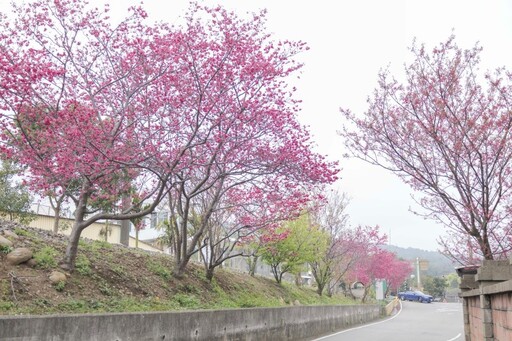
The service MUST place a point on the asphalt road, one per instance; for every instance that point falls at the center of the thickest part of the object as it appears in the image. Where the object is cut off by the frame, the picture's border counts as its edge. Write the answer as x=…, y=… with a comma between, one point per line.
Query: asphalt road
x=415, y=321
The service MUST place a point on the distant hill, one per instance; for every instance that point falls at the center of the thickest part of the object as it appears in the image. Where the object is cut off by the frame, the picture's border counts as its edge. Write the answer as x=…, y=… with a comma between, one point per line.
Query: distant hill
x=439, y=265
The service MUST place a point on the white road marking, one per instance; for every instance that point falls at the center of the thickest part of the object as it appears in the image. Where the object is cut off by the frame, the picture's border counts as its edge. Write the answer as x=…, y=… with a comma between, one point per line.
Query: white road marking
x=364, y=326
x=445, y=310
x=455, y=338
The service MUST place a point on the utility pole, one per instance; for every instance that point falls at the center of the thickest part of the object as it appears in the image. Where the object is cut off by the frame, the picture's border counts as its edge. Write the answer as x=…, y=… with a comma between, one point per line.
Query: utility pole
x=418, y=272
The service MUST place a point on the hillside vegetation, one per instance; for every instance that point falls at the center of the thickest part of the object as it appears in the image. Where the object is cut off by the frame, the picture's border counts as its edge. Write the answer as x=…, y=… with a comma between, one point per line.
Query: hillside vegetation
x=113, y=278
x=438, y=264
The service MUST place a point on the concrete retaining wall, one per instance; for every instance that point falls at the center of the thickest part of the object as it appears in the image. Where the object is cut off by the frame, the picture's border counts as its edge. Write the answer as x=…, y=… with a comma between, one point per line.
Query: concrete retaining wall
x=391, y=306
x=287, y=323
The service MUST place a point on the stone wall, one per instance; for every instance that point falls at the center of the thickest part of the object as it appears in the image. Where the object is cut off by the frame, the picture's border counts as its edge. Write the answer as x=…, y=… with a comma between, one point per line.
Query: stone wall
x=487, y=305
x=286, y=323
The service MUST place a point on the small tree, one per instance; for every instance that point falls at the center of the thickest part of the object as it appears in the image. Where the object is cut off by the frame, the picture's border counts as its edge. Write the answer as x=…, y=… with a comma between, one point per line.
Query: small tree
x=352, y=247
x=435, y=286
x=138, y=222
x=452, y=280
x=398, y=271
x=298, y=243
x=15, y=198
x=58, y=197
x=332, y=219
x=56, y=202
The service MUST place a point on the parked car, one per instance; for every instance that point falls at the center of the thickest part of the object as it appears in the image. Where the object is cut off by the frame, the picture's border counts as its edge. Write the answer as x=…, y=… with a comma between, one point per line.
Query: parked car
x=415, y=296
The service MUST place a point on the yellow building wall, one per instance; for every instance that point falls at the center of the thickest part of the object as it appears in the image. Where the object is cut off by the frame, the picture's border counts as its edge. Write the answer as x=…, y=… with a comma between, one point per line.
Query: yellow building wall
x=92, y=231
x=144, y=246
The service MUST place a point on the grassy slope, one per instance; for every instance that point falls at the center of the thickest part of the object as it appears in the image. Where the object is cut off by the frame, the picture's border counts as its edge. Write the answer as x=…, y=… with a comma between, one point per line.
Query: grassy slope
x=112, y=278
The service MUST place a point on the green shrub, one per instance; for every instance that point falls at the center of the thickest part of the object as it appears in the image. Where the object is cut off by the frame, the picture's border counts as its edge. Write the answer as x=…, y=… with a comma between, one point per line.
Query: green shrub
x=73, y=306
x=101, y=244
x=5, y=305
x=94, y=246
x=187, y=301
x=42, y=302
x=5, y=249
x=22, y=232
x=45, y=258
x=105, y=289
x=60, y=286
x=83, y=265
x=118, y=270
x=159, y=269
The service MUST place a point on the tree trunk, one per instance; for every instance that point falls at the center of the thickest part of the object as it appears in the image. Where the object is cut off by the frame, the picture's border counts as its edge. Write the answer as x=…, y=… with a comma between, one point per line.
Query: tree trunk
x=365, y=295
x=252, y=262
x=320, y=289
x=275, y=273
x=322, y=278
x=485, y=247
x=56, y=209
x=56, y=220
x=349, y=292
x=330, y=288
x=209, y=274
x=125, y=224
x=107, y=229
x=298, y=280
x=180, y=266
x=68, y=262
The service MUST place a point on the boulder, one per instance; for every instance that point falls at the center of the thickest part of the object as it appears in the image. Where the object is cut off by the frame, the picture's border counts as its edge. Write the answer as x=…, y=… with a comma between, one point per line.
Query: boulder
x=18, y=256
x=57, y=277
x=31, y=262
x=9, y=233
x=5, y=242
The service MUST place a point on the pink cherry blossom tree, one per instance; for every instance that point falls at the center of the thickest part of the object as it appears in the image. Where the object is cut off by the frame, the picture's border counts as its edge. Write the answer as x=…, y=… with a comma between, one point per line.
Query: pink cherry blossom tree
x=252, y=162
x=90, y=105
x=352, y=250
x=397, y=272
x=379, y=264
x=445, y=130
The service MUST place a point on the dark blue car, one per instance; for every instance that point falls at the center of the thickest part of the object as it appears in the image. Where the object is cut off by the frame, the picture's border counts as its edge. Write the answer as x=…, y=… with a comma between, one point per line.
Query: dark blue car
x=415, y=296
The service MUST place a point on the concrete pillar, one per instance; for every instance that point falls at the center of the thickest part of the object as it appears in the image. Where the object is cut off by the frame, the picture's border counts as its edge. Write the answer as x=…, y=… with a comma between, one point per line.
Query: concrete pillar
x=468, y=282
x=465, y=312
x=488, y=325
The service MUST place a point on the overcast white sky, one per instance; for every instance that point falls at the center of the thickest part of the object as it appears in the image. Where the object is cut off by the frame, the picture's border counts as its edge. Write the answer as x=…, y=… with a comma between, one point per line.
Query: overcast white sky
x=350, y=41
